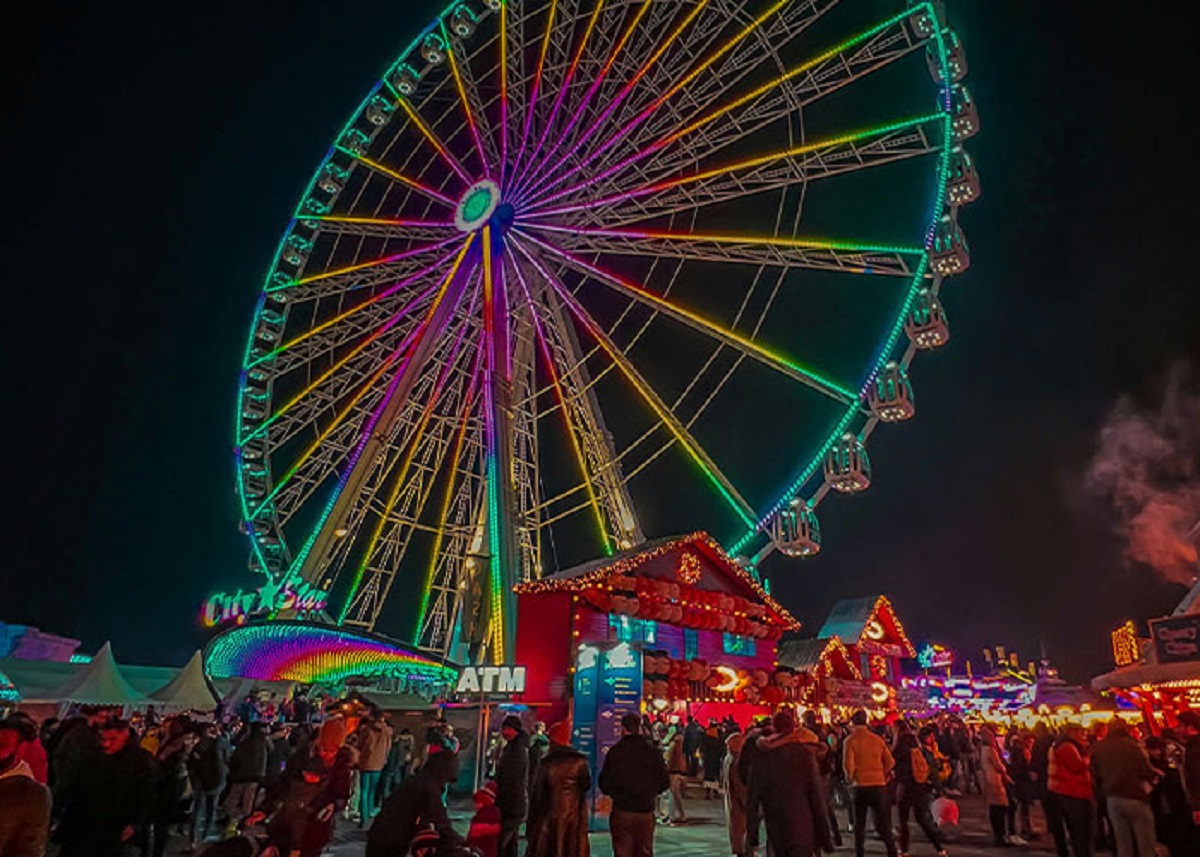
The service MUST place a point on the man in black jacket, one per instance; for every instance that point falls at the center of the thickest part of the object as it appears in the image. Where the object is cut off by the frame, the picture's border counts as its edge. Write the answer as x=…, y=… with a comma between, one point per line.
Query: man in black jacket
x=633, y=775
x=512, y=784
x=789, y=785
x=111, y=798
x=416, y=805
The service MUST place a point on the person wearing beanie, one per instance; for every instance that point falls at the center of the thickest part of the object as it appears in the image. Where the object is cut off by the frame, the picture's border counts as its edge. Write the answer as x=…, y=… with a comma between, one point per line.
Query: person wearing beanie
x=558, y=814
x=512, y=784
x=484, y=833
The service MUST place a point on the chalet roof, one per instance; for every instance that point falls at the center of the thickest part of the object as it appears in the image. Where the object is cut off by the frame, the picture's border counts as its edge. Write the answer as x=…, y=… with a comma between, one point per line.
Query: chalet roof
x=849, y=618
x=591, y=573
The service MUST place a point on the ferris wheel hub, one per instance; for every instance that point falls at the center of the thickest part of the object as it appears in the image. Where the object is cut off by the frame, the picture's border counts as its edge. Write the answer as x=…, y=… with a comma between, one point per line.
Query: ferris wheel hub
x=477, y=206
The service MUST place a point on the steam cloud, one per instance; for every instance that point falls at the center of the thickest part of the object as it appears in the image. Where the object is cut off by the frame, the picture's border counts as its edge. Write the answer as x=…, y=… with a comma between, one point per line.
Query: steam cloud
x=1148, y=464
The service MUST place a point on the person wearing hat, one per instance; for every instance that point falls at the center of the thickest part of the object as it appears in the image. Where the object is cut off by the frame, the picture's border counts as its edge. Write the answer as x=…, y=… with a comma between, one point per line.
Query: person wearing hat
x=512, y=784
x=633, y=775
x=24, y=802
x=485, y=830
x=558, y=814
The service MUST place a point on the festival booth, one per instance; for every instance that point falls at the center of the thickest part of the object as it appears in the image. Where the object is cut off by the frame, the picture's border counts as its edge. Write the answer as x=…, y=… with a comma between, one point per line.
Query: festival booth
x=674, y=627
x=858, y=658
x=825, y=671
x=1158, y=675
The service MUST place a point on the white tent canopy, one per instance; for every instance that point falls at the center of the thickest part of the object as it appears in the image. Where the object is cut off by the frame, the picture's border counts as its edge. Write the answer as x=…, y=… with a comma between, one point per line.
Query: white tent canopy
x=189, y=690
x=98, y=683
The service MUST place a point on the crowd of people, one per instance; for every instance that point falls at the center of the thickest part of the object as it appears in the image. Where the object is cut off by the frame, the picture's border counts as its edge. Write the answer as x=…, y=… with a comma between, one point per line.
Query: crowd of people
x=249, y=781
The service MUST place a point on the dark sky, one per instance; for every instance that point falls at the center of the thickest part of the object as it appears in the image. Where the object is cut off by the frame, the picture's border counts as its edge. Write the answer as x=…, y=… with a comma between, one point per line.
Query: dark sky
x=152, y=152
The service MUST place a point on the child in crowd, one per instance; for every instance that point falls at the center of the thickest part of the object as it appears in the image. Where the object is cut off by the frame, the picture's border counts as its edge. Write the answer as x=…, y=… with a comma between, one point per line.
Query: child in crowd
x=484, y=833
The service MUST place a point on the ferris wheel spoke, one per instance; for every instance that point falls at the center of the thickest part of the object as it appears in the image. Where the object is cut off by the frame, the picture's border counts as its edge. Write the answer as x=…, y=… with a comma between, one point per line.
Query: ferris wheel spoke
x=398, y=286
x=702, y=325
x=340, y=364
x=414, y=492
x=433, y=140
x=635, y=79
x=860, y=150
x=568, y=79
x=598, y=80
x=383, y=227
x=364, y=275
x=397, y=176
x=451, y=489
x=784, y=252
x=711, y=59
x=339, y=420
x=534, y=93
x=561, y=399
x=722, y=483
x=468, y=100
x=693, y=139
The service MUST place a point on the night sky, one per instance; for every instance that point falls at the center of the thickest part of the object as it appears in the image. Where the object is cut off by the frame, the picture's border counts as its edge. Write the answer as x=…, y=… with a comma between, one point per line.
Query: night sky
x=152, y=153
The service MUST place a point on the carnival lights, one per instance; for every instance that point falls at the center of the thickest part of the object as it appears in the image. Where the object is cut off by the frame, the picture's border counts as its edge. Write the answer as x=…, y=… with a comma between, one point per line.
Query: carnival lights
x=526, y=202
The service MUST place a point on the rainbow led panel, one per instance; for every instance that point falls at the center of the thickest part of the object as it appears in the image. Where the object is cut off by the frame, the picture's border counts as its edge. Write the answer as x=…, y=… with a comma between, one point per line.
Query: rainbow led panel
x=315, y=654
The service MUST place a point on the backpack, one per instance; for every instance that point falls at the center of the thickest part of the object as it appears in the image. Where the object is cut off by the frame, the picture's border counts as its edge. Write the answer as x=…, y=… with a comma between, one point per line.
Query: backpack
x=920, y=766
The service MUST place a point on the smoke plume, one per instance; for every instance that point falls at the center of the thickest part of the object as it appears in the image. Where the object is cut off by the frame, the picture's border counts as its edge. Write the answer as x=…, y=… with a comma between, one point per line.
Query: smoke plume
x=1148, y=465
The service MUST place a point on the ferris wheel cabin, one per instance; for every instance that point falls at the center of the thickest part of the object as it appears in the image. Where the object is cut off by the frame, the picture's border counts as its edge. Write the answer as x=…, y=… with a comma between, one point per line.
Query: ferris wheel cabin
x=891, y=397
x=796, y=531
x=950, y=253
x=847, y=467
x=927, y=326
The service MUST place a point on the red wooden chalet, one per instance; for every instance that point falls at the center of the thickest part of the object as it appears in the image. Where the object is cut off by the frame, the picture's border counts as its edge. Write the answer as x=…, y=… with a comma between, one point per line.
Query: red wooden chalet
x=706, y=629
x=872, y=632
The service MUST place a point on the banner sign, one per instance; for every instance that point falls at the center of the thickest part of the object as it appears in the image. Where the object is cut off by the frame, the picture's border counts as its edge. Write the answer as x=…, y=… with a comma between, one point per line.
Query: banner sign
x=1176, y=638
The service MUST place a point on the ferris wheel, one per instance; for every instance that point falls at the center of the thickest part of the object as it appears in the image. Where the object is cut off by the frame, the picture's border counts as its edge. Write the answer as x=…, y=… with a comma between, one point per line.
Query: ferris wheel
x=570, y=253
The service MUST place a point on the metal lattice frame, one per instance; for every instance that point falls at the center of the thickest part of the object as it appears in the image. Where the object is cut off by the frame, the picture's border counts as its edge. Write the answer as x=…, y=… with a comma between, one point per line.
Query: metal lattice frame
x=509, y=220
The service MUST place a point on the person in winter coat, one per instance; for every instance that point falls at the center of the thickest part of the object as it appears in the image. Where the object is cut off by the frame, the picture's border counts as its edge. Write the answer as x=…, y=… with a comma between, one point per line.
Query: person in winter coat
x=512, y=784
x=913, y=774
x=171, y=780
x=374, y=742
x=712, y=753
x=558, y=814
x=1071, y=813
x=748, y=771
x=208, y=768
x=734, y=788
x=995, y=788
x=539, y=743
x=677, y=770
x=302, y=821
x=418, y=803
x=1124, y=776
x=24, y=802
x=1173, y=825
x=794, y=807
x=1189, y=731
x=247, y=770
x=111, y=798
x=633, y=775
x=868, y=764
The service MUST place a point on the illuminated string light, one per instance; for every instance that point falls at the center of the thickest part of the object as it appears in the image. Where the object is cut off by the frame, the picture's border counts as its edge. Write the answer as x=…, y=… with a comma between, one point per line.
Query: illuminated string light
x=462, y=97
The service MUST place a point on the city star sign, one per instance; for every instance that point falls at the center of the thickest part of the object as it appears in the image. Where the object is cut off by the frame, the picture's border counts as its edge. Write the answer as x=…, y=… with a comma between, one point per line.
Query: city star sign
x=482, y=679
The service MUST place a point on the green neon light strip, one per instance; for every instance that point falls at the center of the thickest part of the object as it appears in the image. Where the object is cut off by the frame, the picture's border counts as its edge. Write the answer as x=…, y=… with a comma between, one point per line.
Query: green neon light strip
x=943, y=173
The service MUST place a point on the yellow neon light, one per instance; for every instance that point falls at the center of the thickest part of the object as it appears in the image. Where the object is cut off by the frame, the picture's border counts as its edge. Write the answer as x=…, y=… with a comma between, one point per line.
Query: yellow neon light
x=731, y=679
x=405, y=180
x=462, y=96
x=428, y=134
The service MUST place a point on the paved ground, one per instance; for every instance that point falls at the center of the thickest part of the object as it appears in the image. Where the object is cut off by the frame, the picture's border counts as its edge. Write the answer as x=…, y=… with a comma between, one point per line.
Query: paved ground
x=705, y=835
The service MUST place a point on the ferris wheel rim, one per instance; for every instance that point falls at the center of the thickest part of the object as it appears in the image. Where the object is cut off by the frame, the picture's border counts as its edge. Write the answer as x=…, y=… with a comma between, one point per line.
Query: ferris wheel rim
x=438, y=196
